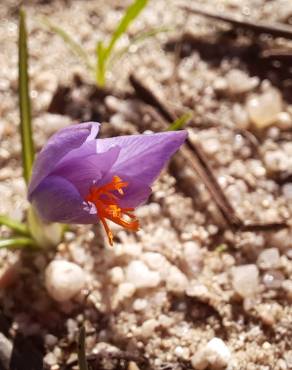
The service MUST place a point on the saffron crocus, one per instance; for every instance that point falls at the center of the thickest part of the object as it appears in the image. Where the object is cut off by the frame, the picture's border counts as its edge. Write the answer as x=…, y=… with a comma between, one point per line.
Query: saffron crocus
x=80, y=179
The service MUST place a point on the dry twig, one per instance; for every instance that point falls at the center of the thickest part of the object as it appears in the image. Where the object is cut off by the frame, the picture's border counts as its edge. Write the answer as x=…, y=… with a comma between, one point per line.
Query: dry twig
x=257, y=27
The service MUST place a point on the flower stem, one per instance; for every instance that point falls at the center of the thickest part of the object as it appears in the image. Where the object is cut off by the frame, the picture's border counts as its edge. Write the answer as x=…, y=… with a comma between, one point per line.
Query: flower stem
x=15, y=243
x=19, y=227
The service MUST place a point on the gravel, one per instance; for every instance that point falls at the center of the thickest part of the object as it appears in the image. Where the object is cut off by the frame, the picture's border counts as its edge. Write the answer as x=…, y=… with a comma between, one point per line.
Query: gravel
x=183, y=290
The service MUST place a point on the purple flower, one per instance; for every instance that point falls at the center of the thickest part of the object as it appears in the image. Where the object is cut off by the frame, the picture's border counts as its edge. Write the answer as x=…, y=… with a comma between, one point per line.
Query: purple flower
x=78, y=178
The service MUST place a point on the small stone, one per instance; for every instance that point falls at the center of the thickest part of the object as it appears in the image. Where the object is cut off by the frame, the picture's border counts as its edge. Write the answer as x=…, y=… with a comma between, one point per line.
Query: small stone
x=284, y=120
x=239, y=82
x=117, y=275
x=263, y=109
x=125, y=291
x=287, y=287
x=197, y=290
x=287, y=191
x=176, y=281
x=245, y=280
x=50, y=340
x=215, y=355
x=193, y=257
x=269, y=259
x=273, y=279
x=240, y=116
x=64, y=280
x=220, y=84
x=211, y=145
x=50, y=359
x=276, y=161
x=139, y=304
x=157, y=262
x=140, y=276
x=148, y=327
x=182, y=352
x=133, y=366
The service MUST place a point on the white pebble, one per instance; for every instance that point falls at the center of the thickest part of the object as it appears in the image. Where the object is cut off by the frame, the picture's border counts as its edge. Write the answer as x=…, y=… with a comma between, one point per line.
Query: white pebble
x=140, y=276
x=276, y=160
x=124, y=291
x=50, y=359
x=198, y=290
x=139, y=304
x=64, y=280
x=215, y=355
x=287, y=287
x=263, y=109
x=239, y=82
x=269, y=259
x=284, y=121
x=176, y=281
x=193, y=257
x=287, y=191
x=240, y=116
x=117, y=275
x=220, y=84
x=148, y=327
x=245, y=280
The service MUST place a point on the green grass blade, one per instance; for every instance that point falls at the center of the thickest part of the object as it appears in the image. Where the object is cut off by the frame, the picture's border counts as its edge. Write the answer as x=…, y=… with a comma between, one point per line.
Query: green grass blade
x=14, y=225
x=103, y=53
x=81, y=350
x=180, y=122
x=74, y=46
x=142, y=36
x=131, y=13
x=101, y=62
x=24, y=100
x=17, y=243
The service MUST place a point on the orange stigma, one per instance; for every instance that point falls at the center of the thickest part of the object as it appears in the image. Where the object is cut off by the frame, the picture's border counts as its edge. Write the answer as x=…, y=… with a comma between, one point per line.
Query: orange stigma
x=105, y=198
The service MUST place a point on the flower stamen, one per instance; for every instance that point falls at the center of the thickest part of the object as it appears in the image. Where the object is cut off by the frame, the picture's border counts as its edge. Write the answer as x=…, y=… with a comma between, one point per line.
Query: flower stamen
x=107, y=206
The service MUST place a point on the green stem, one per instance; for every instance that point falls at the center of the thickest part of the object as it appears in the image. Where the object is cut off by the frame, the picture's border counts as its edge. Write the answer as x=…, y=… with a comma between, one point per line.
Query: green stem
x=24, y=100
x=15, y=243
x=19, y=227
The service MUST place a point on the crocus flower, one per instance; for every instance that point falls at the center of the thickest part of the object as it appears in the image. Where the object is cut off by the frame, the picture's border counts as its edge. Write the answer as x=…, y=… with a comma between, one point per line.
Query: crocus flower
x=80, y=179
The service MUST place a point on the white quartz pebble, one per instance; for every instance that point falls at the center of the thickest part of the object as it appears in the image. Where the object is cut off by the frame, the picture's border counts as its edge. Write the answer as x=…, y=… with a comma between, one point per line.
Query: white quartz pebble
x=263, y=109
x=216, y=355
x=245, y=280
x=176, y=281
x=141, y=276
x=239, y=82
x=64, y=280
x=269, y=259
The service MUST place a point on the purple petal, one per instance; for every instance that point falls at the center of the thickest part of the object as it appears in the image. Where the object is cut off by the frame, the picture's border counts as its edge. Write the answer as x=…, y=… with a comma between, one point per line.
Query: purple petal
x=135, y=194
x=82, y=172
x=63, y=142
x=142, y=157
x=57, y=200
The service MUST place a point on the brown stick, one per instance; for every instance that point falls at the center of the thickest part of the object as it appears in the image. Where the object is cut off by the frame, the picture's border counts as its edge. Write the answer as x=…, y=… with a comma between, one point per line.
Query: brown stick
x=258, y=27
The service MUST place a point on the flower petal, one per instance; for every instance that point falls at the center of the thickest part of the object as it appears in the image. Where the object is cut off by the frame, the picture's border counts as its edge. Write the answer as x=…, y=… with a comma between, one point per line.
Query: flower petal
x=135, y=194
x=82, y=172
x=142, y=157
x=57, y=200
x=57, y=147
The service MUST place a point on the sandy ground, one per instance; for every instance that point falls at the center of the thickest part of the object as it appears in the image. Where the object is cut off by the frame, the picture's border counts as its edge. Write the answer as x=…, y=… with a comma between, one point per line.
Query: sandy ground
x=185, y=278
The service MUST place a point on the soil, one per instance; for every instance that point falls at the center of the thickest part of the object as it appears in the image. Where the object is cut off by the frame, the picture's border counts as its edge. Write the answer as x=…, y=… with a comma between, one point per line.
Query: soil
x=224, y=199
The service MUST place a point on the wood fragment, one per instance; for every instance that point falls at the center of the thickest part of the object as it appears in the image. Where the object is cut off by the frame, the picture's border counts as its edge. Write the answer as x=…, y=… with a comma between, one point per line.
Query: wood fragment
x=257, y=27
